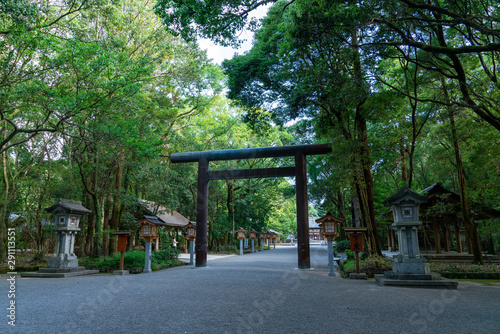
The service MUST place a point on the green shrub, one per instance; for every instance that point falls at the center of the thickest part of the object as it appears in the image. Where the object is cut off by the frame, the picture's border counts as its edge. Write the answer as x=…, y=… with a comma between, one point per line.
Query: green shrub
x=342, y=246
x=133, y=259
x=227, y=249
x=371, y=265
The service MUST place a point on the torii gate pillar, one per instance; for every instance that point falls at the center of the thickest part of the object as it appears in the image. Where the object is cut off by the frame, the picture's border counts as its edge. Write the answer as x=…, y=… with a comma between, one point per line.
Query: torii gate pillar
x=299, y=171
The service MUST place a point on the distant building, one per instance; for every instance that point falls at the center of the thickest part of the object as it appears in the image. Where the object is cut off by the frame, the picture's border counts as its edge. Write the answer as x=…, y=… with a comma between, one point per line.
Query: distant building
x=314, y=229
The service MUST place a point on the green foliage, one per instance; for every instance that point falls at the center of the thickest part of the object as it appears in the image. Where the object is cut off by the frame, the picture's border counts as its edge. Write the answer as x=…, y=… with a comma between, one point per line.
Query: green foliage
x=133, y=259
x=342, y=246
x=371, y=265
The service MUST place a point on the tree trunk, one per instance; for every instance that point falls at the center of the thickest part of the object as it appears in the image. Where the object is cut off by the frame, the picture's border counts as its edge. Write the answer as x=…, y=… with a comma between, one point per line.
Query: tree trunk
x=115, y=215
x=470, y=225
x=3, y=208
x=340, y=201
x=365, y=191
x=105, y=238
x=402, y=154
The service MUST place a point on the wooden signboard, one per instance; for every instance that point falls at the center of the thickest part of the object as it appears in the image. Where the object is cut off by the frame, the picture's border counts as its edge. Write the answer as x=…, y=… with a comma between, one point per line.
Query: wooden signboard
x=122, y=243
x=356, y=242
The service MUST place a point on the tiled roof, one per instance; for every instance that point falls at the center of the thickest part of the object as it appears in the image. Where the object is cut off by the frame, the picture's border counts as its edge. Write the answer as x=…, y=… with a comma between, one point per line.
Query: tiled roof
x=70, y=206
x=170, y=218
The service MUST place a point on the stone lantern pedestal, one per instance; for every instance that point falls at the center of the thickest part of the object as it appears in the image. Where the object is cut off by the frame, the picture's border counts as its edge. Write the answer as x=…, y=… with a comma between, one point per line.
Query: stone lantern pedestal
x=64, y=262
x=410, y=268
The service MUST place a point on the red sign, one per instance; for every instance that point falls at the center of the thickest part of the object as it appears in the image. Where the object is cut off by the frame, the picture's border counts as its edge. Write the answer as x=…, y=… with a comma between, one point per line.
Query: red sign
x=356, y=242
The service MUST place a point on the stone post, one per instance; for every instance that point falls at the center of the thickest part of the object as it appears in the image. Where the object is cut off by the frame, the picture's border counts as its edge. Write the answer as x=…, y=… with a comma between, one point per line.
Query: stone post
x=147, y=262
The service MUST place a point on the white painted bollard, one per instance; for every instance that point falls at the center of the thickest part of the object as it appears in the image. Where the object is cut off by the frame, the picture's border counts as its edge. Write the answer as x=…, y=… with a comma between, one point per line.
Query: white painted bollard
x=191, y=256
x=147, y=263
x=330, y=258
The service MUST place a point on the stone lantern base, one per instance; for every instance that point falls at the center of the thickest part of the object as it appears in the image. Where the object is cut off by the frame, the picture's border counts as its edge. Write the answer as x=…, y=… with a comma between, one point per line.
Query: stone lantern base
x=432, y=280
x=60, y=273
x=414, y=273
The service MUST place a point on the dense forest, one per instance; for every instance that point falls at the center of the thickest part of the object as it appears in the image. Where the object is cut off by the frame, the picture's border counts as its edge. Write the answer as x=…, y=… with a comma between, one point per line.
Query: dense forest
x=96, y=94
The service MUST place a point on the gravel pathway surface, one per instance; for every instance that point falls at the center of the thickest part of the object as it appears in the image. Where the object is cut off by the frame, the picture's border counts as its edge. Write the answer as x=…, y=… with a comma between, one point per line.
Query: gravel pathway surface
x=253, y=293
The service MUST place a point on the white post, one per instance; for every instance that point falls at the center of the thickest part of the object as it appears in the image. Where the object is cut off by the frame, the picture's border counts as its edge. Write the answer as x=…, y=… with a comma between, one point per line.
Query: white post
x=330, y=258
x=253, y=244
x=241, y=246
x=261, y=245
x=147, y=263
x=191, y=256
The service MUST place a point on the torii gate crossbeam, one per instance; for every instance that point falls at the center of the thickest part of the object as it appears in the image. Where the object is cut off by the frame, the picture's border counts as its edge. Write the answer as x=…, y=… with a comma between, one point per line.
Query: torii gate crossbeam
x=299, y=171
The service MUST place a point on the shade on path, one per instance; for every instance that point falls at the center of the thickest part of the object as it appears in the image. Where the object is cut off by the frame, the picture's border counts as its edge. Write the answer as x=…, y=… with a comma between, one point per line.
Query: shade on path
x=253, y=293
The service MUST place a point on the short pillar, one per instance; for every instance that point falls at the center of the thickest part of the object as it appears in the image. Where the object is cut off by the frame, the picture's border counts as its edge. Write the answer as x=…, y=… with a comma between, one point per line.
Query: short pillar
x=241, y=246
x=261, y=245
x=147, y=262
x=330, y=258
x=191, y=255
x=253, y=246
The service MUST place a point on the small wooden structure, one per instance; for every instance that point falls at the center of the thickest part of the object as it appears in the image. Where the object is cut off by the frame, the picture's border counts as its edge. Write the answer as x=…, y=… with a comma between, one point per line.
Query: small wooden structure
x=241, y=235
x=252, y=236
x=149, y=231
x=121, y=246
x=356, y=240
x=329, y=225
x=191, y=237
x=149, y=227
x=190, y=231
x=262, y=237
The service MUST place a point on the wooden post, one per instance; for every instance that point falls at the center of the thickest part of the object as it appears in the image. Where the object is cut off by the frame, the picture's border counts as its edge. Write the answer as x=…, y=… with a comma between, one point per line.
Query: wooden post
x=202, y=213
x=458, y=238
x=122, y=259
x=446, y=237
x=304, y=260
x=357, y=262
x=437, y=237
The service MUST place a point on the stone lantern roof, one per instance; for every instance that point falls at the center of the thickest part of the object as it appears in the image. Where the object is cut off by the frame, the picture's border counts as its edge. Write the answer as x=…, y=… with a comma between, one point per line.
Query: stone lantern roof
x=68, y=206
x=405, y=195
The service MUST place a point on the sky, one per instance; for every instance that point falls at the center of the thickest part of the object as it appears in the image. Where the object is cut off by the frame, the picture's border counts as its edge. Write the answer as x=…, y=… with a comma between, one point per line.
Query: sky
x=219, y=53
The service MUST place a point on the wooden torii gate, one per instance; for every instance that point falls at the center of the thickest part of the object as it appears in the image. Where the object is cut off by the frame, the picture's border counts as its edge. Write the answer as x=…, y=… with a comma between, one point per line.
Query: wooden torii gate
x=299, y=171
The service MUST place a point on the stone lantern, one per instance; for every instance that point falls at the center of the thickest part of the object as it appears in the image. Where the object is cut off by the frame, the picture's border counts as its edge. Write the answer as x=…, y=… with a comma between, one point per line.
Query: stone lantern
x=149, y=231
x=191, y=236
x=252, y=235
x=409, y=267
x=63, y=261
x=241, y=235
x=329, y=229
x=67, y=220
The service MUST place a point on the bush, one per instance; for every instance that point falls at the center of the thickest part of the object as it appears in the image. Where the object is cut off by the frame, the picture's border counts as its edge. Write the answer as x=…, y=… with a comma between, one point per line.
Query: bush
x=227, y=249
x=342, y=246
x=132, y=260
x=371, y=265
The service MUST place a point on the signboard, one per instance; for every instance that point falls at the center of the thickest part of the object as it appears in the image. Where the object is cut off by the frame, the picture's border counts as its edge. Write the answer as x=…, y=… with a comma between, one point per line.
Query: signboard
x=356, y=242
x=122, y=243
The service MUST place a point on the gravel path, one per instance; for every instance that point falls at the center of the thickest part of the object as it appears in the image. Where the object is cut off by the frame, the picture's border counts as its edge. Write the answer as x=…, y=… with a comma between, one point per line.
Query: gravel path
x=253, y=293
